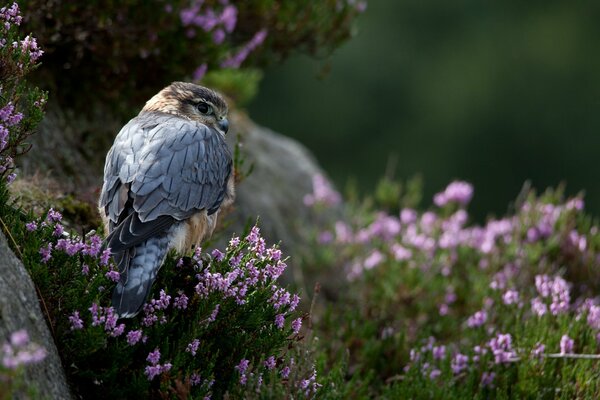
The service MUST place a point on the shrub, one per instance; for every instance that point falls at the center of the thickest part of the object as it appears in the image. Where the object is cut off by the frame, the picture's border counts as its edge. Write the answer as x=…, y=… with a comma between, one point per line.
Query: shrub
x=215, y=324
x=434, y=306
x=21, y=106
x=126, y=51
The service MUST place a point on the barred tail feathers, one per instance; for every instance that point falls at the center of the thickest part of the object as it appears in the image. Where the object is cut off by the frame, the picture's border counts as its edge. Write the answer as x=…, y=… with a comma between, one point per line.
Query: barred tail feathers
x=139, y=267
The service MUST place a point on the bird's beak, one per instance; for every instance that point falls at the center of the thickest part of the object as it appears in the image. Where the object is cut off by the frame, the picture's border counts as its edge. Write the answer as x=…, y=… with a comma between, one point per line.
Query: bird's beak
x=224, y=125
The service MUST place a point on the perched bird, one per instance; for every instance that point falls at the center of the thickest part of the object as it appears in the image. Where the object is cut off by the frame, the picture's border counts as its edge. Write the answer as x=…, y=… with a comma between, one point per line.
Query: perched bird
x=165, y=178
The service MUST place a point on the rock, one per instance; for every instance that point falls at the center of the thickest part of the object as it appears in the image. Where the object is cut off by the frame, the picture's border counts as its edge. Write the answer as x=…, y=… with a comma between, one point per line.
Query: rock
x=282, y=172
x=20, y=309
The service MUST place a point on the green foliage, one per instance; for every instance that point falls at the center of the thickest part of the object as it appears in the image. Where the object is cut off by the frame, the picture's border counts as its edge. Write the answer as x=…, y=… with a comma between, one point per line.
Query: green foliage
x=423, y=289
x=209, y=313
x=21, y=105
x=124, y=52
x=239, y=85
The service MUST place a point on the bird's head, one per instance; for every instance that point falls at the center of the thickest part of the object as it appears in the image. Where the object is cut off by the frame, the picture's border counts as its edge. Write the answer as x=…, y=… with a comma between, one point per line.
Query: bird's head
x=191, y=101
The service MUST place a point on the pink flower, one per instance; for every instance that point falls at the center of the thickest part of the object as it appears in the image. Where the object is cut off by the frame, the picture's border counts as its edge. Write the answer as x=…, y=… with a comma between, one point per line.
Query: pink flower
x=566, y=344
x=459, y=192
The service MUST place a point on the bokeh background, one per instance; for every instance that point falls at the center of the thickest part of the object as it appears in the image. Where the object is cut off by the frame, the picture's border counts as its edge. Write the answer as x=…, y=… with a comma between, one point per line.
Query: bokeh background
x=495, y=93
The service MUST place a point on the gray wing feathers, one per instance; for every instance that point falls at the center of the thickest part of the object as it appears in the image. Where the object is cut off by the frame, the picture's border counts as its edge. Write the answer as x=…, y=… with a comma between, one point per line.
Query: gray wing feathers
x=161, y=169
x=174, y=166
x=183, y=170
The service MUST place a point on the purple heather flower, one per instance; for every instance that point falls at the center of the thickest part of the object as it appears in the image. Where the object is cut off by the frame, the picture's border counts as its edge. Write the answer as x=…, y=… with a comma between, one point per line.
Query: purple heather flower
x=19, y=338
x=154, y=357
x=11, y=178
x=400, y=253
x=19, y=351
x=459, y=363
x=152, y=371
x=254, y=235
x=538, y=306
x=6, y=111
x=46, y=253
x=193, y=347
x=229, y=18
x=323, y=192
x=408, y=216
x=58, y=230
x=195, y=379
x=566, y=344
x=274, y=254
x=218, y=36
x=105, y=257
x=575, y=204
x=510, y=297
x=294, y=302
x=113, y=275
x=118, y=330
x=279, y=321
x=439, y=352
x=477, y=319
x=31, y=226
x=310, y=385
x=85, y=269
x=501, y=347
x=538, y=350
x=280, y=298
x=270, y=363
x=434, y=374
x=76, y=322
x=487, y=379
x=456, y=192
x=181, y=302
x=285, y=372
x=218, y=255
x=214, y=313
x=343, y=233
x=199, y=72
x=234, y=242
x=593, y=317
x=133, y=337
x=296, y=325
x=53, y=216
x=242, y=366
x=374, y=259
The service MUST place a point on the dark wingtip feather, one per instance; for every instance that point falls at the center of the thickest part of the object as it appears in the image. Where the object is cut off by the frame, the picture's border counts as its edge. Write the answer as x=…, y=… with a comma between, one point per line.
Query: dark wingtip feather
x=128, y=302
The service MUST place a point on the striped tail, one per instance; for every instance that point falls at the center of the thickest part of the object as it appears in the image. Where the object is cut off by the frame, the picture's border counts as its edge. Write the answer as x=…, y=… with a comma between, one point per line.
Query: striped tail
x=138, y=267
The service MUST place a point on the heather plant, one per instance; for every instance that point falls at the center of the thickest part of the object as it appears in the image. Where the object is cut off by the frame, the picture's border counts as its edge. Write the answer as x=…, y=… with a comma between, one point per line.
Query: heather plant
x=21, y=106
x=16, y=353
x=135, y=47
x=216, y=323
x=435, y=306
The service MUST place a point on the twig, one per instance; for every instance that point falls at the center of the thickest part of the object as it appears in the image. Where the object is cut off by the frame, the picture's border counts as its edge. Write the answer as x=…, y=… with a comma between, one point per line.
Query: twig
x=12, y=239
x=574, y=356
x=39, y=293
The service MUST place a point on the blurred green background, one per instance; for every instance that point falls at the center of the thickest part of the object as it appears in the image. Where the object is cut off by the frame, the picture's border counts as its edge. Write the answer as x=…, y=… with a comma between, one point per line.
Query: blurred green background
x=495, y=93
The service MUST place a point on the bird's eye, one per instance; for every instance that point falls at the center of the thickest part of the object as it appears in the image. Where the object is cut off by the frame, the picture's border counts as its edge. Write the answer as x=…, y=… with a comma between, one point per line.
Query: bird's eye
x=205, y=108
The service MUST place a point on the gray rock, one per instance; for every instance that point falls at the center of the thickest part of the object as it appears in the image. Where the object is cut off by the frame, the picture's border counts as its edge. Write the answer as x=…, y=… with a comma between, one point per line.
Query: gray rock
x=20, y=309
x=282, y=172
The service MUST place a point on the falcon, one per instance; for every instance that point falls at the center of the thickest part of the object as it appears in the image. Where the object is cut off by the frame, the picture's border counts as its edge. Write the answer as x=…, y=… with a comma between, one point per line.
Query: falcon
x=166, y=176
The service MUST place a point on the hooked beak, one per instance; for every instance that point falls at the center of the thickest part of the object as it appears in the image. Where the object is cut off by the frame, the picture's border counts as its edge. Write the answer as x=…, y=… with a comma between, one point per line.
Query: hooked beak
x=224, y=125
